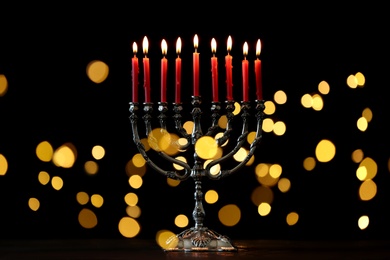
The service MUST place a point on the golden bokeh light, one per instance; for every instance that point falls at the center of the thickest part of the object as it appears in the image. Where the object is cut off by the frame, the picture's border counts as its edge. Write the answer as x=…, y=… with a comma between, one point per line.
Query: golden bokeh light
x=262, y=194
x=57, y=183
x=352, y=81
x=264, y=209
x=361, y=79
x=97, y=200
x=361, y=173
x=131, y=169
x=3, y=85
x=371, y=167
x=44, y=151
x=309, y=163
x=91, y=167
x=240, y=155
x=261, y=169
x=87, y=218
x=211, y=197
x=367, y=114
x=325, y=150
x=97, y=71
x=363, y=222
x=357, y=155
x=318, y=102
x=133, y=211
x=43, y=177
x=229, y=215
x=166, y=239
x=129, y=227
x=188, y=126
x=98, y=152
x=206, y=147
x=292, y=218
x=172, y=182
x=280, y=97
x=82, y=197
x=181, y=221
x=268, y=125
x=323, y=87
x=367, y=190
x=275, y=170
x=65, y=155
x=362, y=124
x=270, y=107
x=138, y=160
x=33, y=204
x=279, y=128
x=222, y=122
x=237, y=108
x=3, y=165
x=307, y=101
x=131, y=199
x=135, y=181
x=284, y=185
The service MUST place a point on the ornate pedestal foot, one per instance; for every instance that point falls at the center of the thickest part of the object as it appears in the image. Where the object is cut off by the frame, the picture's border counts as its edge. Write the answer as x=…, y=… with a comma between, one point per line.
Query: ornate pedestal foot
x=201, y=239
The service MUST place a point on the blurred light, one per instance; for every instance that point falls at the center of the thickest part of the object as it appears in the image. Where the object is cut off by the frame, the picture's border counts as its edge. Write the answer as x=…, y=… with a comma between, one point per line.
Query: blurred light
x=280, y=97
x=33, y=204
x=363, y=222
x=211, y=196
x=219, y=135
x=138, y=160
x=370, y=166
x=229, y=215
x=361, y=173
x=213, y=170
x=307, y=101
x=352, y=81
x=172, y=182
x=261, y=169
x=275, y=170
x=240, y=155
x=284, y=185
x=131, y=169
x=98, y=152
x=91, y=167
x=361, y=80
x=159, y=139
x=268, y=125
x=166, y=239
x=251, y=137
x=323, y=87
x=87, y=218
x=325, y=151
x=367, y=190
x=82, y=197
x=135, y=181
x=3, y=85
x=177, y=166
x=206, y=147
x=97, y=71
x=269, y=107
x=129, y=227
x=188, y=126
x=362, y=124
x=44, y=151
x=97, y=200
x=292, y=218
x=318, y=103
x=131, y=199
x=309, y=163
x=57, y=183
x=262, y=194
x=357, y=155
x=222, y=122
x=279, y=128
x=43, y=177
x=237, y=108
x=181, y=221
x=264, y=209
x=133, y=211
x=3, y=165
x=367, y=114
x=65, y=155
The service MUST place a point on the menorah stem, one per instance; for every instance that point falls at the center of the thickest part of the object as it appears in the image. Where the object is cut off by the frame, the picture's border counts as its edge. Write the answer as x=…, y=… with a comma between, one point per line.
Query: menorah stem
x=196, y=115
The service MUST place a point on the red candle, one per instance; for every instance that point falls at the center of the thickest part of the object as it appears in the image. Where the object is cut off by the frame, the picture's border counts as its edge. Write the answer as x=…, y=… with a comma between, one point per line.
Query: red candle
x=196, y=67
x=229, y=76
x=164, y=68
x=214, y=71
x=146, y=70
x=134, y=73
x=245, y=83
x=259, y=90
x=178, y=71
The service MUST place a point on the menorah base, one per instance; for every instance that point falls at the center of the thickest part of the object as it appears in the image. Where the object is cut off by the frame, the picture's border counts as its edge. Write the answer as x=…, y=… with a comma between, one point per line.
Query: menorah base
x=199, y=239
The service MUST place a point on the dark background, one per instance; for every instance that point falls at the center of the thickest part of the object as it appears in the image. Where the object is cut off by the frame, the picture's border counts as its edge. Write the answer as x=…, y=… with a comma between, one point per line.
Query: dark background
x=44, y=51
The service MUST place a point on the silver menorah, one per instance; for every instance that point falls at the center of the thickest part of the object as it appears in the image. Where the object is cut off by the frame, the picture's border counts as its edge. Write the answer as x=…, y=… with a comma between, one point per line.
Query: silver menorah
x=198, y=237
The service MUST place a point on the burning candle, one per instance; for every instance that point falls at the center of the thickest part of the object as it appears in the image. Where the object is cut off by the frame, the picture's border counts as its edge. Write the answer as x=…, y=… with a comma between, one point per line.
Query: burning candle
x=134, y=73
x=196, y=67
x=259, y=91
x=214, y=70
x=245, y=83
x=164, y=68
x=178, y=71
x=146, y=70
x=228, y=65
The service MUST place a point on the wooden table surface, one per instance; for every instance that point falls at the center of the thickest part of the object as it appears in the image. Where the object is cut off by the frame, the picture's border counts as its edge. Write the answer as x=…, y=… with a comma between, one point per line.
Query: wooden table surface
x=130, y=249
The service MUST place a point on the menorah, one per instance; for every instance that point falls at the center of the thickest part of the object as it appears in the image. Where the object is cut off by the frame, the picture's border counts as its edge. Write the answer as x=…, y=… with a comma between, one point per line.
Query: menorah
x=199, y=237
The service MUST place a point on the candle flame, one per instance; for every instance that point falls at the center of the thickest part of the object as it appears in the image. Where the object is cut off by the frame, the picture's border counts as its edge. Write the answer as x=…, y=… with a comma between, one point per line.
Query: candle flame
x=135, y=49
x=196, y=41
x=229, y=43
x=245, y=48
x=258, y=47
x=178, y=45
x=213, y=45
x=164, y=47
x=145, y=45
